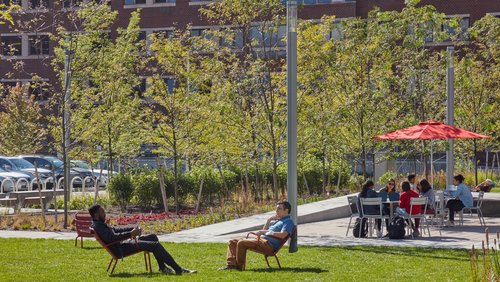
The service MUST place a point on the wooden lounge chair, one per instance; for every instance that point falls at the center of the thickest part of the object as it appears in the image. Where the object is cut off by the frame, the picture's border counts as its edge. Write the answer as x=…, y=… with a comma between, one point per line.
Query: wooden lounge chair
x=115, y=258
x=274, y=253
x=82, y=222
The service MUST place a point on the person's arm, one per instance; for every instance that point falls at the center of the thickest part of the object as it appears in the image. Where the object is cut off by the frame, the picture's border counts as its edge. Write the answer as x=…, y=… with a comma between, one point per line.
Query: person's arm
x=268, y=223
x=280, y=235
x=108, y=235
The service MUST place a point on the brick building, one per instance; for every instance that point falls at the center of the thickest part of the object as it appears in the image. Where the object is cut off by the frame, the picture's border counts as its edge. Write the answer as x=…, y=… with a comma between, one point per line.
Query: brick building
x=33, y=48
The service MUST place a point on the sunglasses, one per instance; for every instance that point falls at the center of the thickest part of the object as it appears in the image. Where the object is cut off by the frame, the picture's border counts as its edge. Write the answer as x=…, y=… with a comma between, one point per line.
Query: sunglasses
x=392, y=184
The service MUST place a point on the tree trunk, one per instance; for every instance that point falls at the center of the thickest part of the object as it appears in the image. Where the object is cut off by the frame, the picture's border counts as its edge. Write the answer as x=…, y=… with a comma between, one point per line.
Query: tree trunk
x=323, y=162
x=305, y=183
x=161, y=179
x=475, y=161
x=275, y=181
x=176, y=199
x=338, y=178
x=226, y=189
x=199, y=195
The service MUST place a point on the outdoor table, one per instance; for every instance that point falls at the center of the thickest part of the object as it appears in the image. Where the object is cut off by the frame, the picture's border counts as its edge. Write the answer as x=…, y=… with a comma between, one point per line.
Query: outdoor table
x=391, y=206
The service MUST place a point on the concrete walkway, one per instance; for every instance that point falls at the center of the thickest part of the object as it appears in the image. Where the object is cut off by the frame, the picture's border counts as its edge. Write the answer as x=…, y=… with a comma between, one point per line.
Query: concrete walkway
x=321, y=223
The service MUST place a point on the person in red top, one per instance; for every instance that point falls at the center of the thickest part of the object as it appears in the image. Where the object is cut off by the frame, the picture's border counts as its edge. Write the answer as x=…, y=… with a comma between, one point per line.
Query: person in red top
x=404, y=203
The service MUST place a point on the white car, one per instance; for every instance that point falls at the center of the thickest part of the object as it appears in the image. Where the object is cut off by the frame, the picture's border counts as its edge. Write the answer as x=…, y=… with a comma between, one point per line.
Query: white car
x=103, y=180
x=14, y=176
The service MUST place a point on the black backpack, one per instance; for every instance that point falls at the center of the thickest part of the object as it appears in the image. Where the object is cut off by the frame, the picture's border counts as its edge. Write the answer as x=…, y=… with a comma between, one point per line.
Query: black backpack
x=397, y=228
x=360, y=224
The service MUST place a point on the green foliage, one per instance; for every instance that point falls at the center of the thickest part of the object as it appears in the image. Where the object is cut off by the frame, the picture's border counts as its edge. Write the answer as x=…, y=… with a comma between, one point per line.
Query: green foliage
x=21, y=122
x=82, y=202
x=146, y=188
x=384, y=178
x=485, y=263
x=121, y=190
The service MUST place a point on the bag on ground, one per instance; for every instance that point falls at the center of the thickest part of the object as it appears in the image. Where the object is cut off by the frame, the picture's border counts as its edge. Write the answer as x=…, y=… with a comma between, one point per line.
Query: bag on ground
x=360, y=224
x=397, y=228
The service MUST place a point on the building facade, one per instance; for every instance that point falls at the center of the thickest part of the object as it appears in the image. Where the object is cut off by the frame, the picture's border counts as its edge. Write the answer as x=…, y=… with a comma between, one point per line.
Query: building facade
x=30, y=49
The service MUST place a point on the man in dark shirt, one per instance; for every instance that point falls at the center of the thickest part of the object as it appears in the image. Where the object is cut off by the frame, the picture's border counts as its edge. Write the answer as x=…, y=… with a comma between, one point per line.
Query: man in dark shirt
x=147, y=243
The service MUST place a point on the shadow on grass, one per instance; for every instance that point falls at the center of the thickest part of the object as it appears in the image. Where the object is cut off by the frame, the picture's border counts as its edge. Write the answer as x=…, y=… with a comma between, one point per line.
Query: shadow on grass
x=413, y=252
x=90, y=248
x=128, y=275
x=291, y=269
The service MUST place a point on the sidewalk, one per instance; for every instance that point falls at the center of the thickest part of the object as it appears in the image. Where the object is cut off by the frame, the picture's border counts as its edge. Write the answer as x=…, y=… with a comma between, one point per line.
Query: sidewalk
x=324, y=233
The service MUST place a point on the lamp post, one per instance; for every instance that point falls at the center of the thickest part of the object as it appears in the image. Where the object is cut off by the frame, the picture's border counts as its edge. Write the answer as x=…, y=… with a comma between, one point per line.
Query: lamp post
x=450, y=76
x=291, y=56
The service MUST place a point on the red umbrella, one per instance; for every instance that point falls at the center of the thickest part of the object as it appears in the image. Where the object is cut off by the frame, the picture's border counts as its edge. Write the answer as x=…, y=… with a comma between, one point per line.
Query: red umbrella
x=430, y=129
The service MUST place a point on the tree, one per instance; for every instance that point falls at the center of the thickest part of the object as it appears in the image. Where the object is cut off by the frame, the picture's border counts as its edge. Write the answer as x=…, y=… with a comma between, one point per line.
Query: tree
x=106, y=110
x=175, y=98
x=22, y=121
x=477, y=85
x=257, y=93
x=6, y=13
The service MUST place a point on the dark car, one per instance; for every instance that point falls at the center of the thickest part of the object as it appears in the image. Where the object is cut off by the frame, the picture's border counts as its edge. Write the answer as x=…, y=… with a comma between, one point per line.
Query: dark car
x=50, y=162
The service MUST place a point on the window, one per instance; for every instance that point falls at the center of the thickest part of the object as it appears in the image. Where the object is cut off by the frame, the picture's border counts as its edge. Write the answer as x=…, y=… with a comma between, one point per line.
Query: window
x=164, y=33
x=197, y=32
x=170, y=84
x=461, y=32
x=236, y=41
x=140, y=89
x=11, y=45
x=39, y=44
x=270, y=37
x=164, y=1
x=134, y=2
x=6, y=85
x=40, y=90
x=38, y=4
x=72, y=3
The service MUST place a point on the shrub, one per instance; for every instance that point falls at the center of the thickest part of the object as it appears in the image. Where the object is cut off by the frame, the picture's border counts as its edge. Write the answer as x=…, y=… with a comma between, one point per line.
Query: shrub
x=120, y=189
x=147, y=190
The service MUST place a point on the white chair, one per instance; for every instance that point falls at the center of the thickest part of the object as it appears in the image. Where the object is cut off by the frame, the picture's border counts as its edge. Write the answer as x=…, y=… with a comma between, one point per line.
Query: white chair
x=476, y=208
x=440, y=210
x=377, y=202
x=422, y=201
x=353, y=207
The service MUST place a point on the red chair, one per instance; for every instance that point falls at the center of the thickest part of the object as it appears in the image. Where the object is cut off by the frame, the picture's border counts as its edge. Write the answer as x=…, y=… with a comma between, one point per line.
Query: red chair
x=115, y=258
x=273, y=253
x=82, y=222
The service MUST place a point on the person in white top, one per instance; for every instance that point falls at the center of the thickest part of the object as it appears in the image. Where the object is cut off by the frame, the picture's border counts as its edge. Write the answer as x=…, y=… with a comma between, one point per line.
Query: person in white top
x=411, y=179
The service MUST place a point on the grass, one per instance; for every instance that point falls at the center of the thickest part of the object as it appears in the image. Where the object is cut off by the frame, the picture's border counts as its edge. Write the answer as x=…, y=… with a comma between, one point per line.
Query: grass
x=57, y=260
x=495, y=190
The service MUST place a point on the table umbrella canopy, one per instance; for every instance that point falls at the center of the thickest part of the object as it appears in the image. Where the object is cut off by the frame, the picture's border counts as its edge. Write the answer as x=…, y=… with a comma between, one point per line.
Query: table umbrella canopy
x=430, y=129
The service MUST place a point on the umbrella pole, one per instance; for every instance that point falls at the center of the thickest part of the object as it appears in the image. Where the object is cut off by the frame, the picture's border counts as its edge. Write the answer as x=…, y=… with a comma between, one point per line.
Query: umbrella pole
x=432, y=167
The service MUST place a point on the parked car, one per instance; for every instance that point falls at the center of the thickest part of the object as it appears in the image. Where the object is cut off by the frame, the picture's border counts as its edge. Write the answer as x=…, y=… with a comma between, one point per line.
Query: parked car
x=50, y=162
x=14, y=176
x=21, y=165
x=103, y=180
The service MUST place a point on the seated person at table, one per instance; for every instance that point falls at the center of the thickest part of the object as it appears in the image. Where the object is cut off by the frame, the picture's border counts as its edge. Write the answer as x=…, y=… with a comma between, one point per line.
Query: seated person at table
x=411, y=179
x=147, y=243
x=390, y=186
x=278, y=225
x=404, y=203
x=368, y=192
x=462, y=195
x=427, y=191
x=485, y=186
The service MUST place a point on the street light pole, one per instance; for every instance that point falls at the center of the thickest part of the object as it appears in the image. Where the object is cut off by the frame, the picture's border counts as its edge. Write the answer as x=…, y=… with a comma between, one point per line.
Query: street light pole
x=450, y=90
x=292, y=111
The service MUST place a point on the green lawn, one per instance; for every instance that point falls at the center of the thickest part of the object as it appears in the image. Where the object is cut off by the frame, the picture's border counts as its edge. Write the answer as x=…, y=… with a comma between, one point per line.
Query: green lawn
x=55, y=260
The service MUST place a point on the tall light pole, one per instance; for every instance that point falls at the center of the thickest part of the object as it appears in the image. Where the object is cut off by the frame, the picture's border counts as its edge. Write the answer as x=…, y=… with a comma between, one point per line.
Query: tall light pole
x=450, y=91
x=291, y=58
